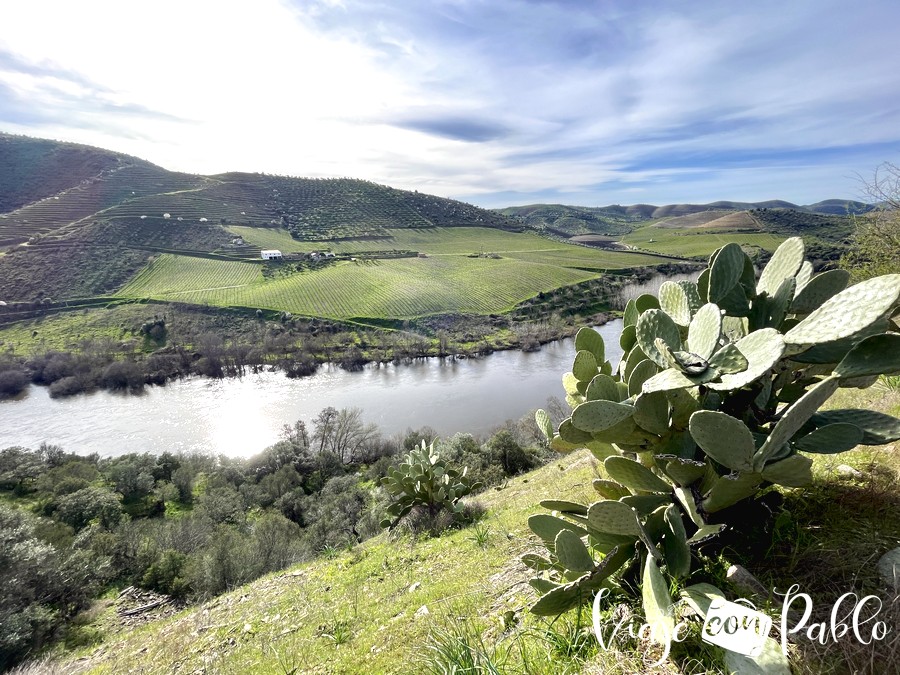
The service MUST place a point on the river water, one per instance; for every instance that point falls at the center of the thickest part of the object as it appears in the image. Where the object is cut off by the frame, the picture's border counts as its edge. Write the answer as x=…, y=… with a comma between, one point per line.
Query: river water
x=241, y=416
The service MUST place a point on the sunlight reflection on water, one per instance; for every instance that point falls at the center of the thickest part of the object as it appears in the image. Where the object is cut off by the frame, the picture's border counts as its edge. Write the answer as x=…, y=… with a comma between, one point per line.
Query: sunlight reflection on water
x=240, y=417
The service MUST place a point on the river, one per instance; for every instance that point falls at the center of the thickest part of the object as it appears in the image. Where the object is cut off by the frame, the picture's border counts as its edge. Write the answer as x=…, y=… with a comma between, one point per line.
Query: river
x=241, y=416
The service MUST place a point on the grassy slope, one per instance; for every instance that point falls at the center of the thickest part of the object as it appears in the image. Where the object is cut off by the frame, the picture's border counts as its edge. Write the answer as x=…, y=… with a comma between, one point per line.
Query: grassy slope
x=402, y=288
x=290, y=619
x=456, y=241
x=696, y=240
x=367, y=590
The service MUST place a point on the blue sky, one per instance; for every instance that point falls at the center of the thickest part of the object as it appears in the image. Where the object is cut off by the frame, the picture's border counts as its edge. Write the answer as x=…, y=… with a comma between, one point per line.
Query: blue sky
x=496, y=102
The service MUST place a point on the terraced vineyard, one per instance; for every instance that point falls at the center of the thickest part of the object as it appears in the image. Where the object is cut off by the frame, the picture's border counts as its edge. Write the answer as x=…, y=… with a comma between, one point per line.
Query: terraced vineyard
x=697, y=241
x=248, y=202
x=170, y=275
x=90, y=198
x=458, y=241
x=402, y=288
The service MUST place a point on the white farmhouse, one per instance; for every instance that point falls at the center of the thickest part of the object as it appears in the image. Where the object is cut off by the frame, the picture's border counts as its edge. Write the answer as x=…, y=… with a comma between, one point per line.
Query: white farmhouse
x=271, y=254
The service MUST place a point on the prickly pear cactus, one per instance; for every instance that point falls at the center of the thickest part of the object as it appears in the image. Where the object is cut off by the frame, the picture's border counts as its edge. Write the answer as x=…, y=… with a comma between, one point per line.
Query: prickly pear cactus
x=717, y=397
x=425, y=479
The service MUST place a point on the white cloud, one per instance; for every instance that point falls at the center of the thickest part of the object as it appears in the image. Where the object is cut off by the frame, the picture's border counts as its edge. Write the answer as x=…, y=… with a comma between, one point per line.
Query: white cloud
x=569, y=97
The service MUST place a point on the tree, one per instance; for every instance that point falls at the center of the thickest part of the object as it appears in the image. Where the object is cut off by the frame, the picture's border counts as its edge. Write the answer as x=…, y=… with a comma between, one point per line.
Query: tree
x=343, y=433
x=91, y=503
x=875, y=249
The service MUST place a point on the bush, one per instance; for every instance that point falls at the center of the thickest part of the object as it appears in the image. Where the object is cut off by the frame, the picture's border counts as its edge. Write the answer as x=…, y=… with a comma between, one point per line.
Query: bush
x=12, y=383
x=425, y=481
x=89, y=504
x=68, y=386
x=166, y=575
x=122, y=375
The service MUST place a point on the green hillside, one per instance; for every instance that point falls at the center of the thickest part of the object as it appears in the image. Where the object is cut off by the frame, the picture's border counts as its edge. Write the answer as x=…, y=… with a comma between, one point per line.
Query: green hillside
x=83, y=223
x=361, y=610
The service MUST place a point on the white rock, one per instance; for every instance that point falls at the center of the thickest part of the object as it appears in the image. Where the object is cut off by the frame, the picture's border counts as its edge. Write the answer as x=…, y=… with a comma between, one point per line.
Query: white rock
x=889, y=568
x=423, y=611
x=414, y=586
x=847, y=471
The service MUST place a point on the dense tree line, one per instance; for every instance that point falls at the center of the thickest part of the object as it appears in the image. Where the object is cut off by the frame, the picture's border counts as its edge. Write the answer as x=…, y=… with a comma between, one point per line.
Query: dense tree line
x=195, y=525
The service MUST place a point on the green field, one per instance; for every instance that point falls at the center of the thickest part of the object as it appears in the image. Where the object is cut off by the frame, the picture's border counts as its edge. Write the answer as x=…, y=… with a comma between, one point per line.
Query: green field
x=695, y=241
x=457, y=241
x=401, y=288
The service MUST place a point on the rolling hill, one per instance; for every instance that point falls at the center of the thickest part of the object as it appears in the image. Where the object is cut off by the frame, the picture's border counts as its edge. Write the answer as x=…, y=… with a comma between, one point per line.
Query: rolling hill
x=81, y=223
x=89, y=225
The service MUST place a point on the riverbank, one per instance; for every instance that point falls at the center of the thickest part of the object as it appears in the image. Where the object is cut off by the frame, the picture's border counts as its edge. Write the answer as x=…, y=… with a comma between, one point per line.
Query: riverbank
x=127, y=347
x=240, y=416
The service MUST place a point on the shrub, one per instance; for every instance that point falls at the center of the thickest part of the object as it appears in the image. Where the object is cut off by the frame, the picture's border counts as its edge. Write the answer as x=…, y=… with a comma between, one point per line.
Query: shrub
x=12, y=383
x=92, y=503
x=716, y=398
x=425, y=480
x=166, y=575
x=68, y=386
x=122, y=375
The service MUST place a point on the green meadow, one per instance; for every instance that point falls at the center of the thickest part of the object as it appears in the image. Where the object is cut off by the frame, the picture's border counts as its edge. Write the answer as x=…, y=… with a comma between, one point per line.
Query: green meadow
x=400, y=288
x=448, y=279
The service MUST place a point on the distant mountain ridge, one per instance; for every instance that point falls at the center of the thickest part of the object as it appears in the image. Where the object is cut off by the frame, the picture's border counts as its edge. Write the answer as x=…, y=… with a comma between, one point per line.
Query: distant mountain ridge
x=616, y=220
x=651, y=211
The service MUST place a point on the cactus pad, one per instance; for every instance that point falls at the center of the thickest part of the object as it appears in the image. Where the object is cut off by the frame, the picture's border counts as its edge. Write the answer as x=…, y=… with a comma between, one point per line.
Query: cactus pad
x=682, y=470
x=878, y=428
x=547, y=527
x=559, y=600
x=610, y=489
x=726, y=439
x=613, y=518
x=729, y=490
x=848, y=312
x=602, y=388
x=658, y=607
x=544, y=423
x=729, y=360
x=572, y=553
x=588, y=339
x=651, y=412
x=674, y=301
x=794, y=471
x=564, y=506
x=725, y=271
x=795, y=417
x=593, y=416
x=653, y=324
x=784, y=264
x=705, y=330
x=584, y=367
x=675, y=546
x=873, y=356
x=831, y=439
x=641, y=373
x=634, y=475
x=819, y=289
x=762, y=349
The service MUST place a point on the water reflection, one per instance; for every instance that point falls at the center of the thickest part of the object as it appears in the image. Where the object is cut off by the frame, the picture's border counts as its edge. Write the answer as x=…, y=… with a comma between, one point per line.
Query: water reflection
x=242, y=416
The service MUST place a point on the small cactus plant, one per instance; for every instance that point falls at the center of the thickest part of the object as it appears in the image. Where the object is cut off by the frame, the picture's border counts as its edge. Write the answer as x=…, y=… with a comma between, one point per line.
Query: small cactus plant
x=424, y=479
x=717, y=396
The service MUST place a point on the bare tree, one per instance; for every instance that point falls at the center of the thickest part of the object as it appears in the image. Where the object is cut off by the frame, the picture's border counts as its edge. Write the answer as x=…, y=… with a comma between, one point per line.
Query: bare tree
x=875, y=249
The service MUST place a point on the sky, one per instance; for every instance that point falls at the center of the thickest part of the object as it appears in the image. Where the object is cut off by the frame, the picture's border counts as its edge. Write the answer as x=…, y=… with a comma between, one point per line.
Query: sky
x=495, y=102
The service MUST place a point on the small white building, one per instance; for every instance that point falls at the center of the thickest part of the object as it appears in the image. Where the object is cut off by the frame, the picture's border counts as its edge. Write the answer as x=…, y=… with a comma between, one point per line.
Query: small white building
x=271, y=254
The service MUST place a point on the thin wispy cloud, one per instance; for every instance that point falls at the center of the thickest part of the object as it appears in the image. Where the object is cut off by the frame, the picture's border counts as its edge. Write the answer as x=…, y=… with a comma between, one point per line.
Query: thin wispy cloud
x=494, y=101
